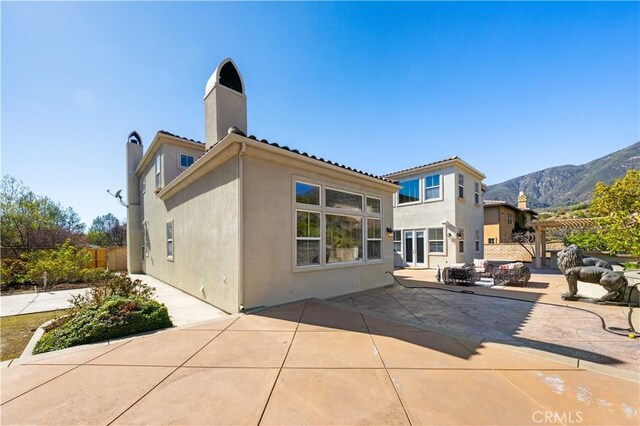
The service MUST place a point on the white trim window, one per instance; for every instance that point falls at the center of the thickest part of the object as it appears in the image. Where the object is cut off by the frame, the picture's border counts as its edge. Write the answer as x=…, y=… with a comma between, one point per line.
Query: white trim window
x=186, y=160
x=169, y=234
x=460, y=240
x=477, y=241
x=146, y=244
x=307, y=238
x=158, y=171
x=436, y=240
x=432, y=187
x=476, y=194
x=460, y=185
x=409, y=191
x=397, y=241
x=330, y=226
x=374, y=239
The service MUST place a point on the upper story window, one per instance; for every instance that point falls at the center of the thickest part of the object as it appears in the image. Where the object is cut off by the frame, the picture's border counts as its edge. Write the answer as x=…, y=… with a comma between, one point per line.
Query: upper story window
x=343, y=200
x=432, y=187
x=158, y=170
x=143, y=185
x=460, y=185
x=409, y=191
x=476, y=193
x=307, y=193
x=186, y=160
x=510, y=218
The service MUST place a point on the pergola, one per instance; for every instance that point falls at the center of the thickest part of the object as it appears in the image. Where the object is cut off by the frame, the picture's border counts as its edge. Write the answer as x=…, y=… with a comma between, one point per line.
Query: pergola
x=541, y=234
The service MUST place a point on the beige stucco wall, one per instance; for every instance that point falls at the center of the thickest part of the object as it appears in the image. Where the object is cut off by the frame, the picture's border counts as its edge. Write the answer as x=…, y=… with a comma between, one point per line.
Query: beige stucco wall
x=205, y=221
x=270, y=275
x=458, y=213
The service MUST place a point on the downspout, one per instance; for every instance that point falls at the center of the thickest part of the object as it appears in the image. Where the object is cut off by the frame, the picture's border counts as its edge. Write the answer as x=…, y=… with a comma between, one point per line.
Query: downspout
x=243, y=147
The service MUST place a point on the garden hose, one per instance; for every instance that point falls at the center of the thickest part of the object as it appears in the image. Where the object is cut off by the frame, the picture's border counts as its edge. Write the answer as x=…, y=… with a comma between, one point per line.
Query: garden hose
x=630, y=332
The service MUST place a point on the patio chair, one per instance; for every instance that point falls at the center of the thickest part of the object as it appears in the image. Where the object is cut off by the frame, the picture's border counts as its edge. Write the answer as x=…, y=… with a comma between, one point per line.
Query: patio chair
x=483, y=267
x=460, y=274
x=512, y=273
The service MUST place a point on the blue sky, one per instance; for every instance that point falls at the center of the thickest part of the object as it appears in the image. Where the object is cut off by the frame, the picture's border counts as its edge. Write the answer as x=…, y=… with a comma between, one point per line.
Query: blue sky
x=510, y=87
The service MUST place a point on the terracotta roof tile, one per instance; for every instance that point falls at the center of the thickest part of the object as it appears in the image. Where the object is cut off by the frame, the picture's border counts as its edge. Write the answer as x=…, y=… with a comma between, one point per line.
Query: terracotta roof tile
x=455, y=157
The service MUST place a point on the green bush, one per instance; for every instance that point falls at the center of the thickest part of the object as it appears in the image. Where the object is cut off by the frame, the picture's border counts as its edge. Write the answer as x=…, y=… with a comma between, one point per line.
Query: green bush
x=117, y=285
x=589, y=241
x=96, y=274
x=66, y=264
x=13, y=271
x=115, y=317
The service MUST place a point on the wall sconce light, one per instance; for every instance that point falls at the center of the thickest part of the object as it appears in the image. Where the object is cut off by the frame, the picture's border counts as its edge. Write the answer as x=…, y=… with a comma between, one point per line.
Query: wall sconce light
x=389, y=231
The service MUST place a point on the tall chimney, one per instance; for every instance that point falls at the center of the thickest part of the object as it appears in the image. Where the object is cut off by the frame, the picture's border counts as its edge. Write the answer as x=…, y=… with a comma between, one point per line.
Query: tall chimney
x=134, y=227
x=225, y=103
x=522, y=201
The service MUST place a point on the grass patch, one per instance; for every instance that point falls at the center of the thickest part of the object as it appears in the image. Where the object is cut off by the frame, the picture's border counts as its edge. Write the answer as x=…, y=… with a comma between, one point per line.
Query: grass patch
x=630, y=265
x=18, y=329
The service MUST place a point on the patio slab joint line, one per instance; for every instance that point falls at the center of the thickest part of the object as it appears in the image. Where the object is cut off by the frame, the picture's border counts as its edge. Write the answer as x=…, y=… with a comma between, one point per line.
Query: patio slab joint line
x=386, y=370
x=275, y=382
x=59, y=375
x=170, y=374
x=404, y=307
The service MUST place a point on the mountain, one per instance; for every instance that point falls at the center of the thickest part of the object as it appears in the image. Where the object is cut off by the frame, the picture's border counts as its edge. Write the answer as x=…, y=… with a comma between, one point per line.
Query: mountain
x=566, y=185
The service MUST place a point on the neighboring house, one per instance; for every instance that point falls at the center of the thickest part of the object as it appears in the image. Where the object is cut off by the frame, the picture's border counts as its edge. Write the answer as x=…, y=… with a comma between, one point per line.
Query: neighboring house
x=500, y=219
x=242, y=223
x=437, y=214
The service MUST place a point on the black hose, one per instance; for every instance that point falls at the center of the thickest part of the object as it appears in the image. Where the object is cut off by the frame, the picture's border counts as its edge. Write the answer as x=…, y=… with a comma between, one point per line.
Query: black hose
x=632, y=333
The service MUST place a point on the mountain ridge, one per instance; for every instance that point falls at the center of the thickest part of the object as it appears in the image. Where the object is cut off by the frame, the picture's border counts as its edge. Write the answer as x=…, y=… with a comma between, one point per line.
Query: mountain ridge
x=567, y=184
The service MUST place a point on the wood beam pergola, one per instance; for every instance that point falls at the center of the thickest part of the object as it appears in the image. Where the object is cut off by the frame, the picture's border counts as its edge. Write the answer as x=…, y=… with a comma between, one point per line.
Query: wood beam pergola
x=541, y=227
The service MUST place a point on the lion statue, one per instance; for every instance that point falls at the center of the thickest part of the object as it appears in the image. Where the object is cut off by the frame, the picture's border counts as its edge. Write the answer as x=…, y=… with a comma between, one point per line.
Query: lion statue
x=572, y=266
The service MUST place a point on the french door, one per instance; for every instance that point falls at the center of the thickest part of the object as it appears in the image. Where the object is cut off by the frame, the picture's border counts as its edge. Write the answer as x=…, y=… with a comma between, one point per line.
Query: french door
x=414, y=248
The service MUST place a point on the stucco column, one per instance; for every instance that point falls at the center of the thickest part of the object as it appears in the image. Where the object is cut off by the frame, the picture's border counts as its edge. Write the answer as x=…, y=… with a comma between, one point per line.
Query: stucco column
x=543, y=245
x=538, y=259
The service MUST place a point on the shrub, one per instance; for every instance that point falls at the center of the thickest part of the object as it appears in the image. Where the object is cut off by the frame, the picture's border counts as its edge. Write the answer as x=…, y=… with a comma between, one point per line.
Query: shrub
x=66, y=264
x=589, y=241
x=115, y=317
x=13, y=271
x=116, y=286
x=96, y=274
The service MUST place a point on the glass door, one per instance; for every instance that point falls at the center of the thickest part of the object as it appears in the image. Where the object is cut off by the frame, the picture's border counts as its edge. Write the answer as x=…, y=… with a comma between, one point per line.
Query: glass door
x=414, y=253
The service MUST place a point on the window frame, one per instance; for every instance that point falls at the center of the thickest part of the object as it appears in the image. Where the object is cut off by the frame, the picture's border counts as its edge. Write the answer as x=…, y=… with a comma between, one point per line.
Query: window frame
x=319, y=238
x=460, y=186
x=171, y=240
x=477, y=243
x=476, y=193
x=410, y=203
x=366, y=242
x=366, y=205
x=186, y=154
x=491, y=240
x=440, y=191
x=399, y=231
x=295, y=193
x=143, y=184
x=323, y=210
x=444, y=241
x=158, y=170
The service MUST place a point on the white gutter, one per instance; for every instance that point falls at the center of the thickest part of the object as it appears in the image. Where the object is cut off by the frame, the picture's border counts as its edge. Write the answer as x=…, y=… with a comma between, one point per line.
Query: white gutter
x=241, y=226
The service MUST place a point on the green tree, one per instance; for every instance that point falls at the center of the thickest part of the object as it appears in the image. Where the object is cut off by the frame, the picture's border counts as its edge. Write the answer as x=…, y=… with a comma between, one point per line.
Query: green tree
x=617, y=211
x=30, y=221
x=107, y=230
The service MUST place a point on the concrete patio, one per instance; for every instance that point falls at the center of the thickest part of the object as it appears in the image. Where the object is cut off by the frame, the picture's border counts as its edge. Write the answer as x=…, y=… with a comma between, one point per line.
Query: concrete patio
x=310, y=363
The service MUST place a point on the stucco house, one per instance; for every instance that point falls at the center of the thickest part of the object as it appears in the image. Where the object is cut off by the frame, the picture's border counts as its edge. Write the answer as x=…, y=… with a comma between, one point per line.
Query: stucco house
x=500, y=219
x=437, y=214
x=243, y=223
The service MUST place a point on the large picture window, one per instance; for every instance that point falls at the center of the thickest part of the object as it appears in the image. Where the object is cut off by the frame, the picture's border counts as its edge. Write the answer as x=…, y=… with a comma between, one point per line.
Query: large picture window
x=343, y=238
x=409, y=191
x=436, y=240
x=343, y=200
x=374, y=239
x=432, y=187
x=307, y=238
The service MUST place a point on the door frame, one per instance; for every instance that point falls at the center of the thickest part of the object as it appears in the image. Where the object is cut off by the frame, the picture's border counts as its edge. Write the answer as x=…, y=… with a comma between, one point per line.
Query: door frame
x=414, y=247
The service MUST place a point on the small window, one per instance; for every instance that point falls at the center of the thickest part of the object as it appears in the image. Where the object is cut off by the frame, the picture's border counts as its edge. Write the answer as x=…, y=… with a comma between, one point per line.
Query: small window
x=460, y=185
x=374, y=239
x=170, y=240
x=307, y=193
x=374, y=205
x=409, y=191
x=492, y=240
x=307, y=238
x=509, y=219
x=146, y=244
x=461, y=240
x=143, y=185
x=343, y=238
x=343, y=200
x=158, y=171
x=397, y=241
x=436, y=240
x=186, y=160
x=476, y=194
x=461, y=246
x=477, y=241
x=432, y=187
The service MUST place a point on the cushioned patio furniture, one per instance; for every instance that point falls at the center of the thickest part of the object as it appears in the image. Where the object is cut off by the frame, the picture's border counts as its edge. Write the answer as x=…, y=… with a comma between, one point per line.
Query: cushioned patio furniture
x=460, y=274
x=512, y=273
x=483, y=267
